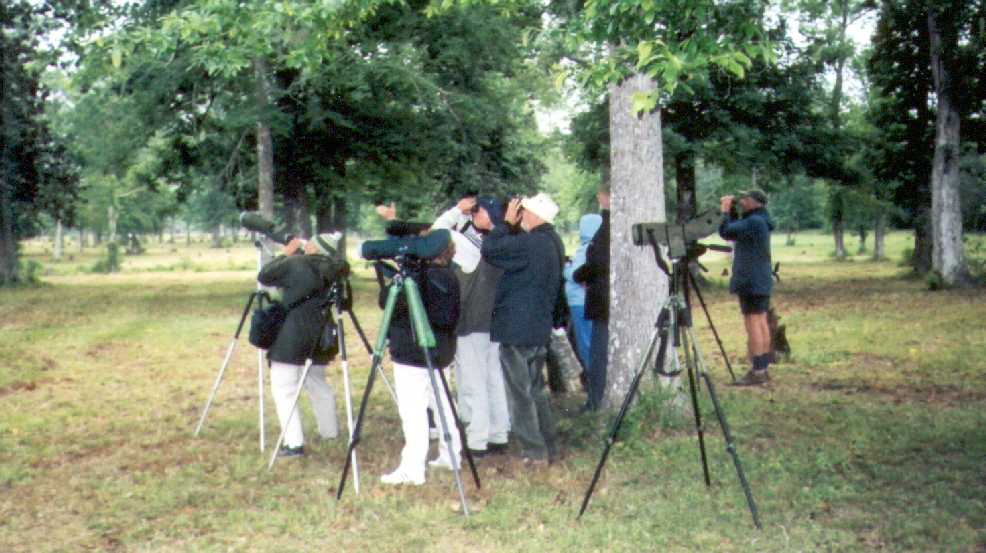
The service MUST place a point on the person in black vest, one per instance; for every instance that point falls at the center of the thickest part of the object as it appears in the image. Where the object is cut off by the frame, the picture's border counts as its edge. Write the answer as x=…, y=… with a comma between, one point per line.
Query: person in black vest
x=594, y=275
x=523, y=309
x=299, y=277
x=440, y=296
x=752, y=280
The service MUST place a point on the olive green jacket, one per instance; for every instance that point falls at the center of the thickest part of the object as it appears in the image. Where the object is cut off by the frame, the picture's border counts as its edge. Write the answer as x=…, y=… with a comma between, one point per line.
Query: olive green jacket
x=299, y=276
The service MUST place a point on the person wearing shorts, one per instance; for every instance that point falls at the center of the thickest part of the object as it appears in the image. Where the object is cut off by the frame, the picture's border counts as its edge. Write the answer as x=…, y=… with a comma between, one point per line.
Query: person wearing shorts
x=752, y=278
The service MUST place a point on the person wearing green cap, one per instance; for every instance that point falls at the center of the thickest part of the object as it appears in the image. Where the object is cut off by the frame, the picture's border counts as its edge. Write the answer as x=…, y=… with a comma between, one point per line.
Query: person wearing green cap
x=303, y=279
x=752, y=280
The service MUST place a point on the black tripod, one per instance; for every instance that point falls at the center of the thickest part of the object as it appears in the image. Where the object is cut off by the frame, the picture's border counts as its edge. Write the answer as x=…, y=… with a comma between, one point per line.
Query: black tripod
x=403, y=281
x=674, y=330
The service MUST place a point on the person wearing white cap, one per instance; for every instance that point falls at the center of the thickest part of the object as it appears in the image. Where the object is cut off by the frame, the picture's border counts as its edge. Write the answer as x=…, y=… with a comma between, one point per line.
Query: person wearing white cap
x=523, y=315
x=303, y=280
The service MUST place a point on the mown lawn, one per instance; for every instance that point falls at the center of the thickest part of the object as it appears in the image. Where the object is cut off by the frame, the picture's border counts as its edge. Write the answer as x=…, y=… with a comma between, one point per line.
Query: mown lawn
x=872, y=437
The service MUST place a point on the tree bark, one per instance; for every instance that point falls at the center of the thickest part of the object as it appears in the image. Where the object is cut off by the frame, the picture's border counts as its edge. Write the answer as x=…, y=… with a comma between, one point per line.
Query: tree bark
x=8, y=241
x=265, y=146
x=637, y=195
x=59, y=243
x=922, y=242
x=948, y=252
x=839, y=234
x=879, y=236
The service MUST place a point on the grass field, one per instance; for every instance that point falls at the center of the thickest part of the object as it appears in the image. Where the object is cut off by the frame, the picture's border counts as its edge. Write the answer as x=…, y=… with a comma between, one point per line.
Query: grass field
x=871, y=438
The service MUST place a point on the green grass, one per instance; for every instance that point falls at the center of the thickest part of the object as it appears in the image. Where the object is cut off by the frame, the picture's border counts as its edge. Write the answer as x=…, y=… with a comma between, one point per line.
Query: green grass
x=872, y=437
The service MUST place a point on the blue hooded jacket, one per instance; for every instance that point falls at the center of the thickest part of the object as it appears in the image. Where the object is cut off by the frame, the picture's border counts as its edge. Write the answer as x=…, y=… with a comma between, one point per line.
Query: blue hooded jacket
x=752, y=274
x=588, y=225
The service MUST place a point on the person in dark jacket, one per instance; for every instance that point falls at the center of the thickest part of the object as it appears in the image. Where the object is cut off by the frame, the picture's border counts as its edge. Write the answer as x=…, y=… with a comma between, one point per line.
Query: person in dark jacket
x=440, y=296
x=482, y=399
x=306, y=278
x=594, y=275
x=522, y=317
x=752, y=279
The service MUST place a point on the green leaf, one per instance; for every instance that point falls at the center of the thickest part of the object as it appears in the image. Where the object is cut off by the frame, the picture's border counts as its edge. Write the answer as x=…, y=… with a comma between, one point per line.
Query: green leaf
x=643, y=102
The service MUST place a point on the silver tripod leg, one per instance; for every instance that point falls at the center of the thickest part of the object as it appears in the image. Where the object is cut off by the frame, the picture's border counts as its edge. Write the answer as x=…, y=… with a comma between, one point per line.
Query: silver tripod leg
x=294, y=407
x=448, y=439
x=260, y=396
x=344, y=362
x=215, y=385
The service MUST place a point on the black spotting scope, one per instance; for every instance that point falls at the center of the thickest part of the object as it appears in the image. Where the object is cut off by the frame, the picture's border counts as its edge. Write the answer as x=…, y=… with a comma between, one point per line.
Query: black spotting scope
x=251, y=220
x=420, y=247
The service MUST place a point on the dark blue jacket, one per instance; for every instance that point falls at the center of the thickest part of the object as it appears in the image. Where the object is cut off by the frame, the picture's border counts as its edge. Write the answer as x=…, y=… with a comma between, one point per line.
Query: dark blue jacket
x=528, y=290
x=751, y=253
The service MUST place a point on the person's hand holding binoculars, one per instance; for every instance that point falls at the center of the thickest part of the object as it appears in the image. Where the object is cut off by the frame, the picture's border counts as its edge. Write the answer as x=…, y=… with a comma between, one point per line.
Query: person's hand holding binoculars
x=512, y=216
x=726, y=204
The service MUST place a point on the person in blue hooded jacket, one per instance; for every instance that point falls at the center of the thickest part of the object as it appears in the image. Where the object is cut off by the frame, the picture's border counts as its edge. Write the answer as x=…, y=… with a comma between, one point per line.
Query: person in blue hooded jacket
x=752, y=279
x=575, y=292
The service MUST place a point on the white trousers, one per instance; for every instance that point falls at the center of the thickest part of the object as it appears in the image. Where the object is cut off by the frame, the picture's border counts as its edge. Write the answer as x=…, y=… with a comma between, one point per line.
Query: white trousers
x=414, y=397
x=480, y=389
x=284, y=379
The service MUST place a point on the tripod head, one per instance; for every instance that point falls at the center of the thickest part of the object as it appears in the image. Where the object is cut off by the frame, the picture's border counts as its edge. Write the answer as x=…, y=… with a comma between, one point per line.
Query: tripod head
x=679, y=239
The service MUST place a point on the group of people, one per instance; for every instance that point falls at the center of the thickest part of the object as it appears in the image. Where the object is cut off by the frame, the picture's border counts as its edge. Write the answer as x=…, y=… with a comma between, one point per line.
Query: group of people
x=491, y=299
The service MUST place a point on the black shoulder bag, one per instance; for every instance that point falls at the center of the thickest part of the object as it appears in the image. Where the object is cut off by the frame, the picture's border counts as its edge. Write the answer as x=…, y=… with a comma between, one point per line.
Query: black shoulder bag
x=266, y=322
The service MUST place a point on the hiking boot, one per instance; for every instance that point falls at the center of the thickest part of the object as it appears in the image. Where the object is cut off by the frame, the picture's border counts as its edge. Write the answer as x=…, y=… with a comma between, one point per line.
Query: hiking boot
x=753, y=378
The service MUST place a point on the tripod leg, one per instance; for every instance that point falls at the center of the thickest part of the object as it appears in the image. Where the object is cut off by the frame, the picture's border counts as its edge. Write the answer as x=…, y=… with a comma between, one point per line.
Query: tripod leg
x=659, y=333
x=294, y=408
x=344, y=362
x=362, y=335
x=260, y=396
x=222, y=368
x=715, y=333
x=461, y=429
x=388, y=312
x=447, y=435
x=730, y=446
x=215, y=386
x=425, y=338
x=690, y=366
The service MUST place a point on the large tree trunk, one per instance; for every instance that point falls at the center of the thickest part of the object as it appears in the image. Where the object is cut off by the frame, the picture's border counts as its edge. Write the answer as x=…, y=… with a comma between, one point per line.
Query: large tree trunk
x=839, y=235
x=637, y=188
x=8, y=242
x=111, y=218
x=59, y=242
x=265, y=146
x=684, y=165
x=948, y=254
x=879, y=236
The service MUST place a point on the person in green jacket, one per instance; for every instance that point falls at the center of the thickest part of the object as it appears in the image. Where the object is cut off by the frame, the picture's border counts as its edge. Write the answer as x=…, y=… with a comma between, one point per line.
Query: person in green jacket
x=305, y=272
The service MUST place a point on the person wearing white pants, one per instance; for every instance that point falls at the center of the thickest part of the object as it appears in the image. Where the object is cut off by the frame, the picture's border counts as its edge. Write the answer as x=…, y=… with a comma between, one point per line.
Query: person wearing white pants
x=303, y=280
x=414, y=395
x=284, y=379
x=440, y=295
x=482, y=397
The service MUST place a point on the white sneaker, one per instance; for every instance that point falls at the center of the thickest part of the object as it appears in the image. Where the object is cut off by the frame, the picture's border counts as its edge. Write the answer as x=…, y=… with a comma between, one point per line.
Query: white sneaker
x=440, y=463
x=399, y=477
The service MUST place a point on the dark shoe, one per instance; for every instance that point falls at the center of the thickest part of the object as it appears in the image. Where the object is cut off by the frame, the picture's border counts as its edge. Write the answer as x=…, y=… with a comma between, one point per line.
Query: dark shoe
x=753, y=378
x=478, y=453
x=286, y=451
x=497, y=449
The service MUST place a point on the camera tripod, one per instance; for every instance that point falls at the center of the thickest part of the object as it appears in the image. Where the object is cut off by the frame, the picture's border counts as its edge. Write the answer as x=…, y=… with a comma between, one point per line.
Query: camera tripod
x=257, y=296
x=673, y=332
x=403, y=282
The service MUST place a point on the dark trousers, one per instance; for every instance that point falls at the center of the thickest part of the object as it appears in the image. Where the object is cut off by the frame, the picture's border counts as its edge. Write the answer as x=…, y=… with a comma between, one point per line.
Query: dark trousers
x=530, y=414
x=598, y=361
